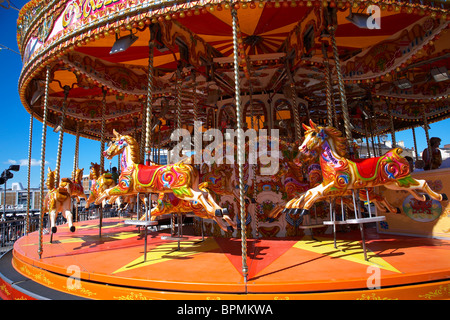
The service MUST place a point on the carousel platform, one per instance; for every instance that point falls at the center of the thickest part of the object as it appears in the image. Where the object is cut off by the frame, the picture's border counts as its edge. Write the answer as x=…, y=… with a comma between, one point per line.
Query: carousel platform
x=83, y=265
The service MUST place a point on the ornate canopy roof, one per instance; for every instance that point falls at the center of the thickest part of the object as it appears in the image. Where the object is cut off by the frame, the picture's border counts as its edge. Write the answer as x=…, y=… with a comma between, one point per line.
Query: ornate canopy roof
x=387, y=71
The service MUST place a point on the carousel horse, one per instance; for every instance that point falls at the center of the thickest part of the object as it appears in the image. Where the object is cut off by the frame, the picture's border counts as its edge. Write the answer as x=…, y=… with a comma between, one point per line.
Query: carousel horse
x=99, y=183
x=342, y=175
x=58, y=199
x=180, y=178
x=167, y=203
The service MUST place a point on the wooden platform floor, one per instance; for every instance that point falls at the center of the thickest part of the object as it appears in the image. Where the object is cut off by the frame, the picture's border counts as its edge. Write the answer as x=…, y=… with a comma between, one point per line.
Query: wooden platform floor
x=112, y=266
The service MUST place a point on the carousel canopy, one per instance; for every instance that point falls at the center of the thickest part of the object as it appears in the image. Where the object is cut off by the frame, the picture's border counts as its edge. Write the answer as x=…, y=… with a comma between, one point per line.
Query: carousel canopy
x=393, y=59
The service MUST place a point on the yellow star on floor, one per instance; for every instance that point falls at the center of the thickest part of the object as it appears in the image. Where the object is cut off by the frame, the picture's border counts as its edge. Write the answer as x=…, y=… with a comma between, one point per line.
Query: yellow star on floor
x=105, y=237
x=346, y=249
x=168, y=251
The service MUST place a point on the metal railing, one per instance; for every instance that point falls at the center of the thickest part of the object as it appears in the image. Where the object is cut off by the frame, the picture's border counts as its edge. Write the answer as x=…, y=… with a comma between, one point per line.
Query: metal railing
x=14, y=226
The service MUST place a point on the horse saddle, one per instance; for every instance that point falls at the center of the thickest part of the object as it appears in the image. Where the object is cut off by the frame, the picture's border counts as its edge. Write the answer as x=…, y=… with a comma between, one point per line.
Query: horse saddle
x=146, y=173
x=366, y=167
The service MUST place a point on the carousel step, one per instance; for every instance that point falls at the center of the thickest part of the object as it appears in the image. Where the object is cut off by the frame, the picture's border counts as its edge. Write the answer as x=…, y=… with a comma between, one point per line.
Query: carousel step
x=366, y=220
x=311, y=226
x=173, y=238
x=140, y=223
x=335, y=222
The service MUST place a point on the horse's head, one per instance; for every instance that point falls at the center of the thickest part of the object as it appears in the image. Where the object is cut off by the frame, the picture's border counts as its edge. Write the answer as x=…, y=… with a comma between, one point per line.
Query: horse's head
x=115, y=146
x=314, y=138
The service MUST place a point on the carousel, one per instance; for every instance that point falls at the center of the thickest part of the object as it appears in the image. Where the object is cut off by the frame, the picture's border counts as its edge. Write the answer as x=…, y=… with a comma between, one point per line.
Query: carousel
x=259, y=105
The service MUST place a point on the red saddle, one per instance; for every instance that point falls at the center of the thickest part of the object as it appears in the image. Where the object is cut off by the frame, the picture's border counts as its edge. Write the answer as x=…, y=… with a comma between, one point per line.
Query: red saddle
x=366, y=167
x=145, y=173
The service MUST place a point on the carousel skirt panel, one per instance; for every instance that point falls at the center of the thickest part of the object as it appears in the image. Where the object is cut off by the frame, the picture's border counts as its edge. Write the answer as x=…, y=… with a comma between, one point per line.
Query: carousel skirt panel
x=113, y=266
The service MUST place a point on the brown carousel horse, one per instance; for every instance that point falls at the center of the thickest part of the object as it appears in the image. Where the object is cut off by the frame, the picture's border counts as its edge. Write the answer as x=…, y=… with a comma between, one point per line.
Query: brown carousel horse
x=180, y=178
x=342, y=175
x=58, y=199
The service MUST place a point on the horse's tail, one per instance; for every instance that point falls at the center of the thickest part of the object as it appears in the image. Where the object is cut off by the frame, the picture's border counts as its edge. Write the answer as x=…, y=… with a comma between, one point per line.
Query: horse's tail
x=50, y=179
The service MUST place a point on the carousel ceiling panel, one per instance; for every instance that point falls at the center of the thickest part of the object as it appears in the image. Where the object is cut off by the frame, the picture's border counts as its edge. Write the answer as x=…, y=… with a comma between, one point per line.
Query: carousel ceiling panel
x=77, y=47
x=263, y=29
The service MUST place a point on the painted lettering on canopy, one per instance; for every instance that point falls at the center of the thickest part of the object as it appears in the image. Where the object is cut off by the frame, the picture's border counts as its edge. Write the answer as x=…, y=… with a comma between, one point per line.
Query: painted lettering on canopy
x=78, y=9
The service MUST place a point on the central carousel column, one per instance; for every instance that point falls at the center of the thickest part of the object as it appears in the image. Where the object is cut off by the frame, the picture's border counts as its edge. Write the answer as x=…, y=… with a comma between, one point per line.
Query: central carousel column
x=44, y=136
x=240, y=146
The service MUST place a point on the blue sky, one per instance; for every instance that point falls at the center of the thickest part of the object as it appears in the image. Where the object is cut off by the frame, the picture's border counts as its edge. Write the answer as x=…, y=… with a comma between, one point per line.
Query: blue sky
x=15, y=121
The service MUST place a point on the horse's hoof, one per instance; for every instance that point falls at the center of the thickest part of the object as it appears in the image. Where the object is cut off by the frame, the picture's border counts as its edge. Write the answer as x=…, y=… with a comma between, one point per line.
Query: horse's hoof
x=247, y=201
x=304, y=212
x=253, y=200
x=225, y=212
x=218, y=213
x=398, y=211
x=230, y=229
x=295, y=211
x=444, y=197
x=54, y=229
x=72, y=229
x=427, y=197
x=285, y=211
x=96, y=206
x=270, y=220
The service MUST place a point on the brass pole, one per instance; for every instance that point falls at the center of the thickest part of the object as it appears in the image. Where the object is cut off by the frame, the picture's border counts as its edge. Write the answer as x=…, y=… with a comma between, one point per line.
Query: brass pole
x=240, y=146
x=30, y=143
x=43, y=145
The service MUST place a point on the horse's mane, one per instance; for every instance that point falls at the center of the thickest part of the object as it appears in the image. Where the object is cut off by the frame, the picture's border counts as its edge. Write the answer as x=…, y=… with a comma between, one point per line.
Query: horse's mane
x=78, y=175
x=134, y=148
x=50, y=179
x=95, y=171
x=339, y=140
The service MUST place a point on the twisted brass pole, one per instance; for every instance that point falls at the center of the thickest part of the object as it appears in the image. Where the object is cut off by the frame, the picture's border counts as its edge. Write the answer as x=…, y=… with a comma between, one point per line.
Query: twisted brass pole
x=75, y=161
x=30, y=143
x=342, y=96
x=43, y=145
x=61, y=136
x=240, y=146
x=142, y=134
x=76, y=155
x=297, y=124
x=102, y=137
x=427, y=135
x=391, y=120
x=149, y=107
x=178, y=100
x=328, y=86
x=415, y=143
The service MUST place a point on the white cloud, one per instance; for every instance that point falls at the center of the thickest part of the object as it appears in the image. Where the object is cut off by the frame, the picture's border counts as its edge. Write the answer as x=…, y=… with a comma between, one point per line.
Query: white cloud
x=24, y=162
